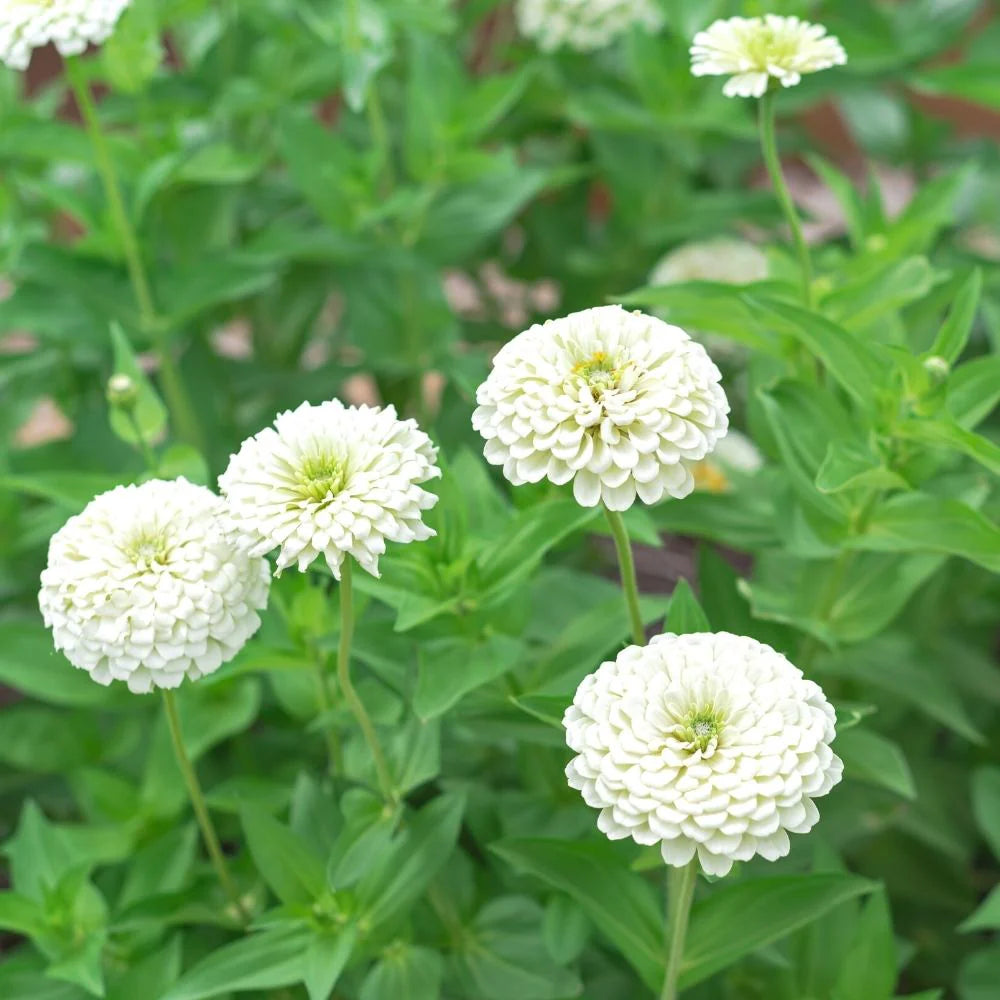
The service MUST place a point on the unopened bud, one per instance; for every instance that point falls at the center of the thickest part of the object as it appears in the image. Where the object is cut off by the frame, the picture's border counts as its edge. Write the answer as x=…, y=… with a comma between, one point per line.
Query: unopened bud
x=122, y=392
x=937, y=368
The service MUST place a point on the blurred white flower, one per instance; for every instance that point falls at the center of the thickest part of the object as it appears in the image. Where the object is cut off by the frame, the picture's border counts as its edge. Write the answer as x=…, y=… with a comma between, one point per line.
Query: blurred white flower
x=753, y=51
x=620, y=402
x=71, y=25
x=151, y=584
x=725, y=259
x=332, y=480
x=584, y=25
x=709, y=742
x=734, y=453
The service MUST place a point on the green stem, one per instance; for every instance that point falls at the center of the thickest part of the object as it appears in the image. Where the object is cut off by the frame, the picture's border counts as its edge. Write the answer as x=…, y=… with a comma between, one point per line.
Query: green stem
x=197, y=797
x=145, y=450
x=626, y=568
x=181, y=411
x=769, y=147
x=680, y=893
x=323, y=699
x=347, y=687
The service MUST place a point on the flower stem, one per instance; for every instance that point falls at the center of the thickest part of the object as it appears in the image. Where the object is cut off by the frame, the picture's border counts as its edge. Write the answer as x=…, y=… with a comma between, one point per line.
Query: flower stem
x=626, y=568
x=680, y=893
x=208, y=833
x=181, y=411
x=347, y=687
x=323, y=700
x=143, y=445
x=769, y=147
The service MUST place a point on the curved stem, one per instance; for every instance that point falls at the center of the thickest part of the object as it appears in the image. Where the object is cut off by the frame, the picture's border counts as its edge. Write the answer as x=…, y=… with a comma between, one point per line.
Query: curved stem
x=347, y=687
x=197, y=797
x=626, y=569
x=680, y=893
x=769, y=147
x=181, y=411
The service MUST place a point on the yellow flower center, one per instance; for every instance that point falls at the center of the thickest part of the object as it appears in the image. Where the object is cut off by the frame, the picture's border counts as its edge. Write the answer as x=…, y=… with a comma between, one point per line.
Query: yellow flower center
x=767, y=48
x=321, y=476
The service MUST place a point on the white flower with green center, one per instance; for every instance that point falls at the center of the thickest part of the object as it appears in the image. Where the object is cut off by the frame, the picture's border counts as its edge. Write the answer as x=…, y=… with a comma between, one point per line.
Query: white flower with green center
x=71, y=25
x=706, y=743
x=619, y=402
x=151, y=584
x=332, y=480
x=584, y=25
x=754, y=51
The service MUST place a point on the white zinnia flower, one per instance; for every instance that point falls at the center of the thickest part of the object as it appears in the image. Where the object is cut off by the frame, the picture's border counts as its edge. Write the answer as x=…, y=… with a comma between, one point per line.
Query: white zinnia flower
x=619, y=402
x=151, y=584
x=333, y=480
x=583, y=25
x=756, y=50
x=734, y=453
x=707, y=742
x=725, y=259
x=71, y=25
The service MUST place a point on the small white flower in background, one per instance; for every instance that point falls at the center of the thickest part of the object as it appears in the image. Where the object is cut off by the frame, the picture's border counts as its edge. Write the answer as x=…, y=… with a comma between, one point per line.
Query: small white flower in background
x=734, y=453
x=584, y=25
x=619, y=402
x=151, y=584
x=756, y=50
x=725, y=259
x=709, y=742
x=332, y=480
x=71, y=25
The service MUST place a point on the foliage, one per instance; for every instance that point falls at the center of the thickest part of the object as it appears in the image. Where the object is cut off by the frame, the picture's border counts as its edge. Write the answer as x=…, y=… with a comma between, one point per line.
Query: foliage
x=309, y=173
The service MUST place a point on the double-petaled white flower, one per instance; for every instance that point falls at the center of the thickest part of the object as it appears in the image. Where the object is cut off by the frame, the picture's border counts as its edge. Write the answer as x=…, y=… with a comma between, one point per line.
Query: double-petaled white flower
x=753, y=51
x=151, y=584
x=583, y=25
x=332, y=480
x=724, y=259
x=709, y=742
x=71, y=25
x=619, y=402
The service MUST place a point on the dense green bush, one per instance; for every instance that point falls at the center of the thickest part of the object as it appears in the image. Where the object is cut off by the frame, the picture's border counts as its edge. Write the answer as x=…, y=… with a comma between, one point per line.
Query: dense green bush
x=341, y=198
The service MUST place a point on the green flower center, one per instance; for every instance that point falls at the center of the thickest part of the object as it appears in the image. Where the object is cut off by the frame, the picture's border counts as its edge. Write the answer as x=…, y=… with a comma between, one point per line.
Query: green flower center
x=599, y=372
x=147, y=548
x=702, y=729
x=321, y=476
x=766, y=48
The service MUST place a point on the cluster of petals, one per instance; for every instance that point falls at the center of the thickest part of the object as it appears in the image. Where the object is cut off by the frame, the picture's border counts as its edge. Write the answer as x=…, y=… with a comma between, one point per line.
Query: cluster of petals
x=71, y=25
x=332, y=480
x=619, y=402
x=583, y=25
x=753, y=51
x=726, y=259
x=706, y=743
x=150, y=584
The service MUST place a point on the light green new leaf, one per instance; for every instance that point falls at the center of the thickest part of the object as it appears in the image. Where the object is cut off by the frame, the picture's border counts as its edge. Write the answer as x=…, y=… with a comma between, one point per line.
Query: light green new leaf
x=264, y=961
x=955, y=330
x=986, y=916
x=850, y=465
x=739, y=919
x=325, y=959
x=684, y=613
x=973, y=390
x=943, y=434
x=621, y=904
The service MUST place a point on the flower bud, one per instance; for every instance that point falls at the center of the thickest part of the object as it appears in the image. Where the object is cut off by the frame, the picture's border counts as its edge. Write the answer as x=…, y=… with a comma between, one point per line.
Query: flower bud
x=937, y=368
x=122, y=392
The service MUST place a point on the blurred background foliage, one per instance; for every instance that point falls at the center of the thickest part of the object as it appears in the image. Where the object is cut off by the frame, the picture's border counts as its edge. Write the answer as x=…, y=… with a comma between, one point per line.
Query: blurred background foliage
x=358, y=199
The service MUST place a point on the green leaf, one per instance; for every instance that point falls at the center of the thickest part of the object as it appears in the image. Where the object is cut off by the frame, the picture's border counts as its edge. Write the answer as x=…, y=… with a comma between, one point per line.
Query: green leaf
x=132, y=53
x=979, y=974
x=973, y=390
x=325, y=959
x=565, y=929
x=286, y=863
x=503, y=955
x=451, y=668
x=405, y=972
x=879, y=292
x=920, y=522
x=684, y=613
x=417, y=856
x=846, y=193
x=739, y=919
x=954, y=333
x=850, y=465
x=940, y=433
x=621, y=904
x=264, y=961
x=986, y=916
x=869, y=757
x=20, y=914
x=148, y=421
x=869, y=967
x=986, y=805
